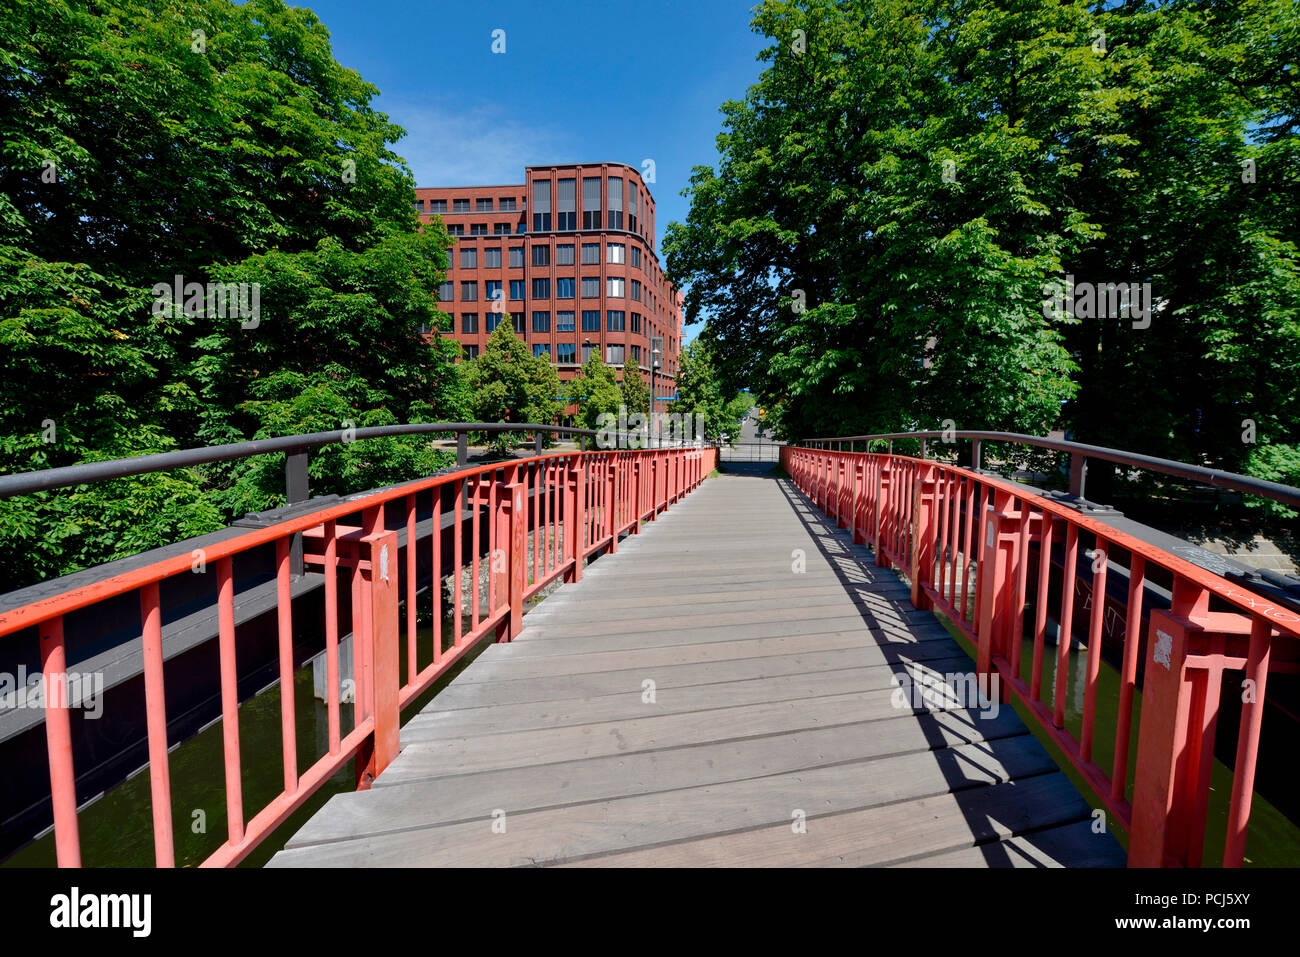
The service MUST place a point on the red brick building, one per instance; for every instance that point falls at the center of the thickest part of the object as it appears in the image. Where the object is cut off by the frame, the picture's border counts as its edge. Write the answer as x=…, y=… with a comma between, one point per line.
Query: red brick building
x=570, y=257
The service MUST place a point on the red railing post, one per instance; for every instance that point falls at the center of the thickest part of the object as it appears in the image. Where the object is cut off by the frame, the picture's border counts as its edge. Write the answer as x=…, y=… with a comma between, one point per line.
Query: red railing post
x=923, y=500
x=884, y=479
x=512, y=537
x=382, y=649
x=575, y=515
x=156, y=721
x=611, y=500
x=999, y=529
x=1168, y=818
x=58, y=739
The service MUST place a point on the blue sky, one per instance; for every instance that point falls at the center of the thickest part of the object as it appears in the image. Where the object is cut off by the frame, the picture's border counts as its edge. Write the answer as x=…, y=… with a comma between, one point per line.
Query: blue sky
x=579, y=81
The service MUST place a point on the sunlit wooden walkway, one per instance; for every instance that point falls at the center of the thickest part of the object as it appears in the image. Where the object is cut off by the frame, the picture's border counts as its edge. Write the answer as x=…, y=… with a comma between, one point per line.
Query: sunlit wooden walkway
x=716, y=693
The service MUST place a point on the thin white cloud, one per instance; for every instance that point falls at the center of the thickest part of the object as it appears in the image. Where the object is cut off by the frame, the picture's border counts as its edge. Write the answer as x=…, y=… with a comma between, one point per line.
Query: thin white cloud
x=479, y=147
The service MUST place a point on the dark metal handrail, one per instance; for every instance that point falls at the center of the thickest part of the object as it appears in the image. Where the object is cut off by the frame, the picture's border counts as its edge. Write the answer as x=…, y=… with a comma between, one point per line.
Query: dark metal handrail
x=295, y=467
x=1079, y=454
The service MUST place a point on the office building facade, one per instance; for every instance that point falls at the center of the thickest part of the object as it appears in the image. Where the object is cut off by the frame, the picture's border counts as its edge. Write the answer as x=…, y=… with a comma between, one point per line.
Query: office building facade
x=569, y=258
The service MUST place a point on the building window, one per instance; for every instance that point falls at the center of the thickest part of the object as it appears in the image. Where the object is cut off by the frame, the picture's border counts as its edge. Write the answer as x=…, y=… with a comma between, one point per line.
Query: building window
x=469, y=292
x=447, y=291
x=586, y=352
x=636, y=289
x=541, y=322
x=478, y=229
x=541, y=205
x=437, y=205
x=518, y=319
x=483, y=205
x=591, y=254
x=614, y=287
x=590, y=287
x=469, y=258
x=564, y=255
x=492, y=291
x=636, y=322
x=541, y=255
x=591, y=320
x=501, y=229
x=460, y=205
x=636, y=354
x=469, y=322
x=591, y=202
x=516, y=257
x=614, y=354
x=506, y=204
x=470, y=352
x=564, y=322
x=616, y=202
x=456, y=229
x=633, y=204
x=566, y=352
x=541, y=349
x=564, y=287
x=492, y=258
x=522, y=228
x=516, y=289
x=541, y=289
x=566, y=216
x=491, y=321
x=636, y=257
x=419, y=205
x=614, y=253
x=614, y=320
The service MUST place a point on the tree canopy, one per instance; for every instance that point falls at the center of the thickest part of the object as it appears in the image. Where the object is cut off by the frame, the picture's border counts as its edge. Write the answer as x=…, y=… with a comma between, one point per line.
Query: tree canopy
x=219, y=146
x=908, y=180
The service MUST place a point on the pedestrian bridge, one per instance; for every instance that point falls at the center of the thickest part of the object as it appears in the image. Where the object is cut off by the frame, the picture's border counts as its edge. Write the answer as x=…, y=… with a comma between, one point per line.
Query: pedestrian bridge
x=850, y=660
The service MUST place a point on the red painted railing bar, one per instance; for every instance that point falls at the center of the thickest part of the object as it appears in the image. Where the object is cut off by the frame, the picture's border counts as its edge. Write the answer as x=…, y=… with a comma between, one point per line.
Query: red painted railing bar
x=476, y=499
x=411, y=666
x=288, y=720
x=332, y=633
x=1065, y=628
x=1093, y=667
x=58, y=742
x=156, y=721
x=1021, y=587
x=1128, y=674
x=1252, y=715
x=1040, y=604
x=229, y=699
x=458, y=624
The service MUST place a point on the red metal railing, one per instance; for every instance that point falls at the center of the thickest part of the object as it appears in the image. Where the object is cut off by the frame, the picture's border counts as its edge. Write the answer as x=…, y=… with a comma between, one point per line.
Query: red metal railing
x=967, y=540
x=573, y=504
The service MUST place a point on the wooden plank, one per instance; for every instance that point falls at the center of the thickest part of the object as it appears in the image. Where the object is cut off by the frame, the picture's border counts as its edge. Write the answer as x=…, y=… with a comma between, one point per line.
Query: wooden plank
x=502, y=691
x=631, y=700
x=880, y=835
x=833, y=753
x=550, y=745
x=563, y=833
x=491, y=664
x=1071, y=845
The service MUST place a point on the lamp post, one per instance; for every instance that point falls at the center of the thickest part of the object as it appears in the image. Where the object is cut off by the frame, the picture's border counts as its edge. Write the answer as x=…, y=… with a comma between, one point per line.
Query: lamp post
x=656, y=345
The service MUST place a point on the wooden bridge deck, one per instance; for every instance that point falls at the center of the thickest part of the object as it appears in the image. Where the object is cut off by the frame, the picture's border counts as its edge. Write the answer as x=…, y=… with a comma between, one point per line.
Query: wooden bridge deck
x=772, y=704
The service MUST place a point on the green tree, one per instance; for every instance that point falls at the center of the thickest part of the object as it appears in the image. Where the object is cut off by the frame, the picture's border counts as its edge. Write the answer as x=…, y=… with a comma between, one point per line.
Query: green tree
x=701, y=391
x=894, y=199
x=596, y=391
x=220, y=143
x=509, y=384
x=636, y=394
